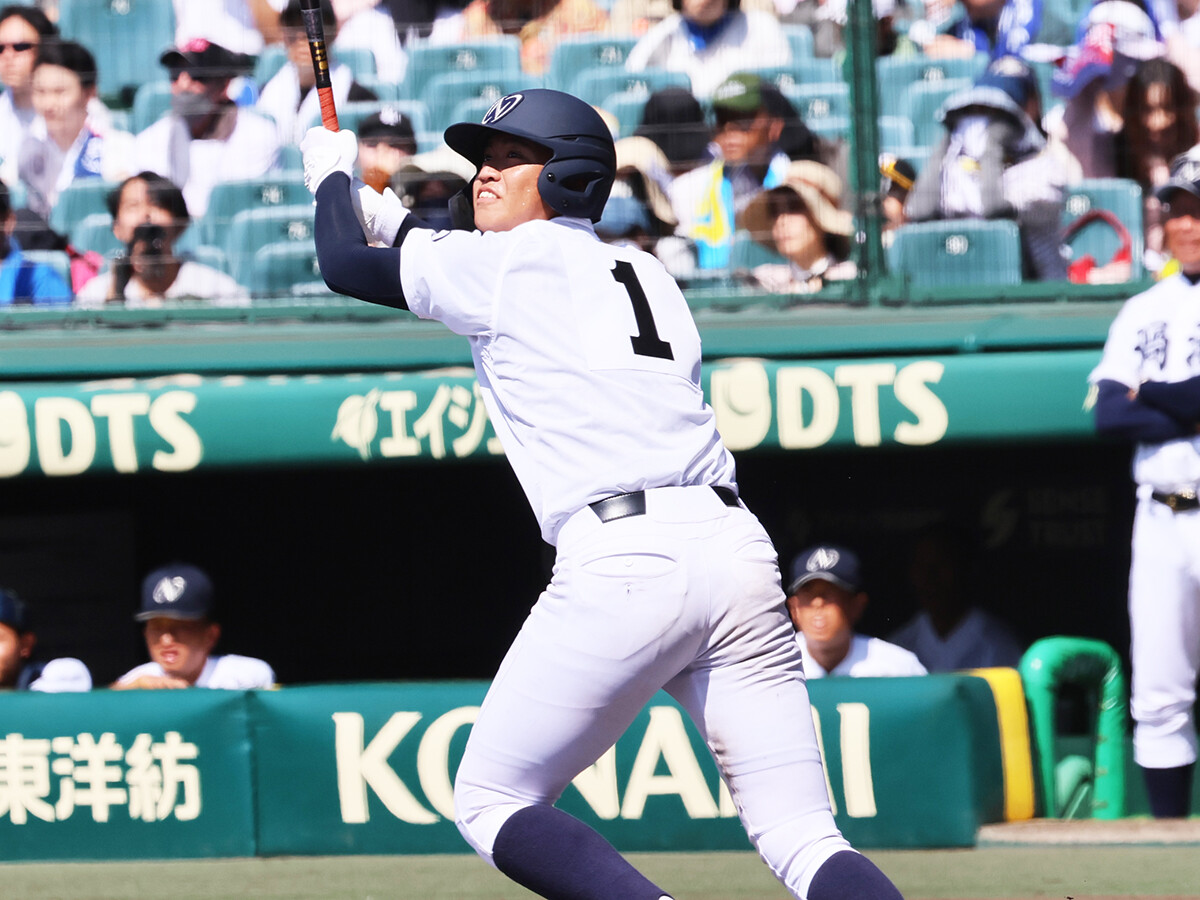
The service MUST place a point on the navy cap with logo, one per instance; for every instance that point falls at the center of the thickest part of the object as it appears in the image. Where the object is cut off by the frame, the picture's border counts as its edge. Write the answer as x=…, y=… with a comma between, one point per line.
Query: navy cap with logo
x=828, y=562
x=177, y=591
x=13, y=611
x=1185, y=176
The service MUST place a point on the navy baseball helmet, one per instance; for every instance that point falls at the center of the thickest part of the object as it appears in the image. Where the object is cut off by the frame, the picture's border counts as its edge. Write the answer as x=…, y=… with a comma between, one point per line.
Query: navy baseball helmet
x=583, y=164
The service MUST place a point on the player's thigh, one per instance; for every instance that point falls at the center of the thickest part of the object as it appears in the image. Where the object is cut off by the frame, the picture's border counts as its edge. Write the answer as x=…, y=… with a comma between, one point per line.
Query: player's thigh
x=607, y=632
x=1162, y=591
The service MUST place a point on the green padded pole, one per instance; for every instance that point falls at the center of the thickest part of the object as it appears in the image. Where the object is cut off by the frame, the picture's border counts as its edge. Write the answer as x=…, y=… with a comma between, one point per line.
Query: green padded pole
x=1053, y=662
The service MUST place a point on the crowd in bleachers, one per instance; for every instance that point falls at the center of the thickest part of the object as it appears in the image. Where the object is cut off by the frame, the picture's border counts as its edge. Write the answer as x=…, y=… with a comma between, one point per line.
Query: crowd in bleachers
x=149, y=151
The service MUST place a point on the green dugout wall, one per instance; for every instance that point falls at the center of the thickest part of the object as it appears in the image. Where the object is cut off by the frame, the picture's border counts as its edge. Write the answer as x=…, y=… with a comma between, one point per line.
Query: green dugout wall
x=368, y=768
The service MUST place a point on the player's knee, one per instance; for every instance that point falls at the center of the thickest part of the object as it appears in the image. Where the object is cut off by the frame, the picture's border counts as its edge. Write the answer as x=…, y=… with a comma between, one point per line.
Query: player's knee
x=479, y=813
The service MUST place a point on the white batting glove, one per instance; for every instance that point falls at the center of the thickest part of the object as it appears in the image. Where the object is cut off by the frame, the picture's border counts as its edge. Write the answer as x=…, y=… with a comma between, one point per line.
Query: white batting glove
x=379, y=214
x=326, y=152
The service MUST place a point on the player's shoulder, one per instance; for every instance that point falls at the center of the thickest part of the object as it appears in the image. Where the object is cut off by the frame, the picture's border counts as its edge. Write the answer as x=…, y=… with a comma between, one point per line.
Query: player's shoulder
x=63, y=675
x=243, y=671
x=148, y=668
x=891, y=659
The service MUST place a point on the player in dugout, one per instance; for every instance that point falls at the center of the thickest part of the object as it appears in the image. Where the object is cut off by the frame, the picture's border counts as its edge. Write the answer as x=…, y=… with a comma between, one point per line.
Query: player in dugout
x=588, y=360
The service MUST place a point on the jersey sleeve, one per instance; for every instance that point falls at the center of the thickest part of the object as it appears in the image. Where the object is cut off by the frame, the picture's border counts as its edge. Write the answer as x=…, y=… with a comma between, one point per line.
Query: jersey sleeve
x=63, y=675
x=1120, y=361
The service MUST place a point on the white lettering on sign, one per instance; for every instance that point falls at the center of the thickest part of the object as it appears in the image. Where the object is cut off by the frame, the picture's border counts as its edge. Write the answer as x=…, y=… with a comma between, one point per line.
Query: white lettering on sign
x=156, y=782
x=363, y=767
x=453, y=423
x=65, y=432
x=808, y=405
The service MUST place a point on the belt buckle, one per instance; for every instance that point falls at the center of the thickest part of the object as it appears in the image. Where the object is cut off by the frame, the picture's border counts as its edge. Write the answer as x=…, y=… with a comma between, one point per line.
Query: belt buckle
x=1180, y=500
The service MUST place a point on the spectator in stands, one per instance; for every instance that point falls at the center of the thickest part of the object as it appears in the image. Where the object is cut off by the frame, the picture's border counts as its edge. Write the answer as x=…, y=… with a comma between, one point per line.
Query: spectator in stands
x=417, y=20
x=149, y=216
x=709, y=40
x=540, y=25
x=673, y=118
x=992, y=162
x=181, y=633
x=23, y=281
x=385, y=142
x=22, y=29
x=825, y=601
x=829, y=26
x=950, y=632
x=995, y=27
x=800, y=221
x=289, y=97
x=243, y=26
x=366, y=25
x=59, y=148
x=898, y=177
x=206, y=138
x=19, y=669
x=708, y=198
x=427, y=181
x=1160, y=123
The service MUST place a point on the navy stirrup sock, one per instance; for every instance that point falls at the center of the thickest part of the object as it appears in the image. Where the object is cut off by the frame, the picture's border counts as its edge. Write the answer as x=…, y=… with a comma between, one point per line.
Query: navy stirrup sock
x=557, y=856
x=847, y=875
x=1169, y=791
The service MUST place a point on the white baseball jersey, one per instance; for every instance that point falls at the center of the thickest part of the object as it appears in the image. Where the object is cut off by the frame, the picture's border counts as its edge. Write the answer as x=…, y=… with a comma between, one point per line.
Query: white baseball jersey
x=869, y=657
x=1156, y=337
x=980, y=640
x=229, y=672
x=571, y=339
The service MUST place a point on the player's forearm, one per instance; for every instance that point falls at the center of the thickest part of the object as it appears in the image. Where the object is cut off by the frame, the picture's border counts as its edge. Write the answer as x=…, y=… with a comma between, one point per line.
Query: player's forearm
x=348, y=264
x=1180, y=399
x=1119, y=415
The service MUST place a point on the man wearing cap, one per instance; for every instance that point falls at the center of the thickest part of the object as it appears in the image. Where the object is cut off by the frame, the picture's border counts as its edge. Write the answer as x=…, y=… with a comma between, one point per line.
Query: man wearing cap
x=177, y=607
x=1147, y=390
x=825, y=601
x=18, y=669
x=206, y=138
x=708, y=199
x=385, y=143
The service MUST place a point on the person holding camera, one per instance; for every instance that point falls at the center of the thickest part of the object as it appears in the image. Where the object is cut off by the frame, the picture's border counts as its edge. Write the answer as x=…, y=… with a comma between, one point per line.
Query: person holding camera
x=149, y=216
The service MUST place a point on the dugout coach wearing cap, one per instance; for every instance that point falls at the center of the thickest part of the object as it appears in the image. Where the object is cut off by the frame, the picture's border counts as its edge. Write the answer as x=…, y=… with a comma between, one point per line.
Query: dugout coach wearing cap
x=181, y=632
x=18, y=668
x=1147, y=391
x=825, y=601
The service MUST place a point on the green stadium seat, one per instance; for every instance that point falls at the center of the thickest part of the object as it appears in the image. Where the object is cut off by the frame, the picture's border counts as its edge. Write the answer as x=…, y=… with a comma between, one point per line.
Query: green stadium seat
x=252, y=229
x=94, y=232
x=572, y=56
x=285, y=268
x=125, y=36
x=384, y=90
x=813, y=70
x=80, y=198
x=151, y=102
x=291, y=160
x=1120, y=196
x=745, y=254
x=269, y=62
x=444, y=93
x=895, y=131
x=896, y=75
x=921, y=103
x=206, y=254
x=501, y=54
x=597, y=84
x=830, y=128
x=800, y=39
x=627, y=106
x=360, y=60
x=820, y=100
x=351, y=114
x=958, y=252
x=229, y=198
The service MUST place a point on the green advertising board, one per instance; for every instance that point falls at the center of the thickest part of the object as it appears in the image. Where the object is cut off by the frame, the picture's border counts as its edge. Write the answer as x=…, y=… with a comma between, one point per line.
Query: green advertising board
x=185, y=423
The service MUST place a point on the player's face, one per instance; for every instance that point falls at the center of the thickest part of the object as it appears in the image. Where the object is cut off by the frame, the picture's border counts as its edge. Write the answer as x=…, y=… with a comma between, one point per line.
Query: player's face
x=506, y=189
x=181, y=646
x=14, y=650
x=825, y=612
x=1181, y=230
x=61, y=99
x=18, y=51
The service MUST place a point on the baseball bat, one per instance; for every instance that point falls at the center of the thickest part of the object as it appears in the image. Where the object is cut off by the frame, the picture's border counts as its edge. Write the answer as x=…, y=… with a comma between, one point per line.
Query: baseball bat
x=314, y=29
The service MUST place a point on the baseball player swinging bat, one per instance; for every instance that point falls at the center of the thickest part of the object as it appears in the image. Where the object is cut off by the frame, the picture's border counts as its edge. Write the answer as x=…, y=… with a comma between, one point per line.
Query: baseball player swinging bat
x=315, y=31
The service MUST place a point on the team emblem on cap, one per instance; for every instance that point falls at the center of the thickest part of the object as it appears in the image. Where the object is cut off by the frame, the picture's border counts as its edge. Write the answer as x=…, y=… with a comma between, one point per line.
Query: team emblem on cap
x=168, y=590
x=502, y=108
x=1187, y=169
x=822, y=559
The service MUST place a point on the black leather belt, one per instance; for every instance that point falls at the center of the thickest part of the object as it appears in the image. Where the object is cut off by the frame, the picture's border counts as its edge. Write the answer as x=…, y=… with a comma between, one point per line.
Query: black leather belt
x=622, y=506
x=1178, y=502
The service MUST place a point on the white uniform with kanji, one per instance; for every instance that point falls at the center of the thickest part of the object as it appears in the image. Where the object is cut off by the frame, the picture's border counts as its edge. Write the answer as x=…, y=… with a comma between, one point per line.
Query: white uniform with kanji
x=1156, y=337
x=589, y=363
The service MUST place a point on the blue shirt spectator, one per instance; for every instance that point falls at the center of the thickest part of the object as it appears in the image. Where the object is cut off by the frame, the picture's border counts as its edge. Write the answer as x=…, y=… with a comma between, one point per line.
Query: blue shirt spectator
x=21, y=280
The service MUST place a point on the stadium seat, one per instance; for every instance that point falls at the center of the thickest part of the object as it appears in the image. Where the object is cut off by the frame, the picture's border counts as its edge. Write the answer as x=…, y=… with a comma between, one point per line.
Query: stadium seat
x=896, y=75
x=125, y=36
x=269, y=62
x=384, y=90
x=80, y=198
x=252, y=229
x=820, y=100
x=443, y=93
x=813, y=70
x=627, y=106
x=229, y=198
x=1120, y=196
x=574, y=55
x=291, y=160
x=285, y=268
x=351, y=114
x=599, y=83
x=800, y=39
x=501, y=54
x=746, y=253
x=921, y=103
x=966, y=252
x=360, y=60
x=94, y=232
x=894, y=132
x=150, y=103
x=831, y=128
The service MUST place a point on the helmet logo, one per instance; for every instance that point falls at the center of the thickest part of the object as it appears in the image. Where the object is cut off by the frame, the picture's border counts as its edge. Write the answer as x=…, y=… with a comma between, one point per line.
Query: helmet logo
x=502, y=108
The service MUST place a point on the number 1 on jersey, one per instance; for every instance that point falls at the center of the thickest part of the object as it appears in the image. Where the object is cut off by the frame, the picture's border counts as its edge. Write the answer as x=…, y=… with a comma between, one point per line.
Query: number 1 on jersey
x=646, y=342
